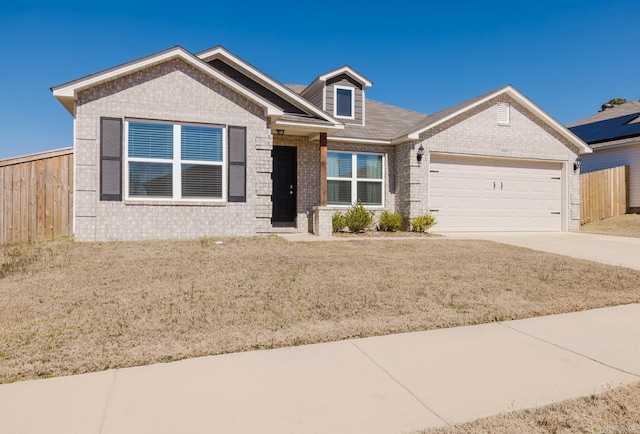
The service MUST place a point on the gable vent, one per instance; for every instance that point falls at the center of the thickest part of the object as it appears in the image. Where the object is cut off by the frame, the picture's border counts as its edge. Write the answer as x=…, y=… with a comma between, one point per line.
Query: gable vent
x=503, y=109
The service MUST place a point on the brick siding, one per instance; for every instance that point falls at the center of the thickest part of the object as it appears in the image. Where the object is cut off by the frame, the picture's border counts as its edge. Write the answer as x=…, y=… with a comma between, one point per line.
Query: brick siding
x=174, y=92
x=476, y=132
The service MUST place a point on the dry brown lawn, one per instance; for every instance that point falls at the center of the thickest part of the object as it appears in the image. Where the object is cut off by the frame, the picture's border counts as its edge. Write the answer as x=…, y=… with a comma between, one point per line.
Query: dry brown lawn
x=627, y=225
x=615, y=411
x=68, y=308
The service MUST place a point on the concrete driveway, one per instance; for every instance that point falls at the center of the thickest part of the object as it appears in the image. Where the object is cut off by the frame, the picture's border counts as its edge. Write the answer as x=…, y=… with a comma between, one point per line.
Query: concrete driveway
x=622, y=251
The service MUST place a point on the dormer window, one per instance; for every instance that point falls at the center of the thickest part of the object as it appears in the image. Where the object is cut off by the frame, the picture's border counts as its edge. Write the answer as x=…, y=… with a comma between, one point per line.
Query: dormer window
x=344, y=102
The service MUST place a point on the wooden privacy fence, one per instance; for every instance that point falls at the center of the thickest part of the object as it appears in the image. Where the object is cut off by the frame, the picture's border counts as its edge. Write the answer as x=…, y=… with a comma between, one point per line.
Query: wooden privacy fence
x=36, y=197
x=604, y=193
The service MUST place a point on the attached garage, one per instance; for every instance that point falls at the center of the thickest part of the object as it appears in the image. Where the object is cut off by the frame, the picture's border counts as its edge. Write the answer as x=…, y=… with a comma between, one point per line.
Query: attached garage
x=470, y=194
x=496, y=163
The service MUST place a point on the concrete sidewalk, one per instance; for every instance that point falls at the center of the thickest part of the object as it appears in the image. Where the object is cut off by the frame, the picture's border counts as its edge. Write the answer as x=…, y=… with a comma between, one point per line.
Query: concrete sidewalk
x=387, y=384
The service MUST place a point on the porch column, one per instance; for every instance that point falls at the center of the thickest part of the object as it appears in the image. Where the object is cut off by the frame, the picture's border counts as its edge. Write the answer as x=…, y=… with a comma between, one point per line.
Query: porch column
x=323, y=169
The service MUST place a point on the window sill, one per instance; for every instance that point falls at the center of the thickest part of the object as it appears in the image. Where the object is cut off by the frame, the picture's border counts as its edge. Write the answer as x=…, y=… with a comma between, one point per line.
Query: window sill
x=173, y=203
x=373, y=207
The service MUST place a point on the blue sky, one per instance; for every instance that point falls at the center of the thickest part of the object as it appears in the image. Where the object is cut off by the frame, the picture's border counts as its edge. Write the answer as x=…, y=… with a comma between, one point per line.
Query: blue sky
x=567, y=56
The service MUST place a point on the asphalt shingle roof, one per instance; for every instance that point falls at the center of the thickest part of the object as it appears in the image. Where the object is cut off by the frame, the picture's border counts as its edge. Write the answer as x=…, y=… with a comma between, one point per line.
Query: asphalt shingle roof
x=608, y=126
x=630, y=107
x=382, y=121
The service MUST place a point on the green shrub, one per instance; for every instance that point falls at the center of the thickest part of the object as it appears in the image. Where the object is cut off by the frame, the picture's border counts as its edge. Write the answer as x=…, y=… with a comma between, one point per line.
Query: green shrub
x=423, y=222
x=338, y=222
x=389, y=221
x=358, y=218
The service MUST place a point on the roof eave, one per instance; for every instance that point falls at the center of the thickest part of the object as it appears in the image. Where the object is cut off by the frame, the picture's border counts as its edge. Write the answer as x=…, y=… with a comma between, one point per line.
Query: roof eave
x=220, y=51
x=511, y=91
x=606, y=145
x=365, y=141
x=366, y=83
x=67, y=93
x=583, y=148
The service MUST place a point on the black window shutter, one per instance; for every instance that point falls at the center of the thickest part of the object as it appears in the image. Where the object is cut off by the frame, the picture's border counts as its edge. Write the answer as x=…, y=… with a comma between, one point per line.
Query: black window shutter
x=110, y=159
x=237, y=164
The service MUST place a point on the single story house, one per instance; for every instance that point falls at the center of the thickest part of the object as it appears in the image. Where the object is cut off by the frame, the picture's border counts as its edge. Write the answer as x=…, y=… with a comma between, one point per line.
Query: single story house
x=178, y=145
x=614, y=135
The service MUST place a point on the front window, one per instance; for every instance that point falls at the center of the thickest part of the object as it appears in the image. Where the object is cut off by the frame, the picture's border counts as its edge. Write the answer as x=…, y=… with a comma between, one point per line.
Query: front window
x=174, y=161
x=354, y=177
x=344, y=99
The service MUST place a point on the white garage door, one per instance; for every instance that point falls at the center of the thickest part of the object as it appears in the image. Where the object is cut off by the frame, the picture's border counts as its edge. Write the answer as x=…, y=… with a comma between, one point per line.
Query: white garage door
x=495, y=195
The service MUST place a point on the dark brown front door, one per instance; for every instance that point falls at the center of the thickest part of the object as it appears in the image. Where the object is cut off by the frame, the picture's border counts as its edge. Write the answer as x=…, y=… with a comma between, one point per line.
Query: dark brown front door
x=284, y=184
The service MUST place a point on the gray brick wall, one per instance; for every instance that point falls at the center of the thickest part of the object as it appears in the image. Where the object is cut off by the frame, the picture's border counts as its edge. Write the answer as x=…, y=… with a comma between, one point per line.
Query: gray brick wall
x=309, y=169
x=175, y=92
x=477, y=133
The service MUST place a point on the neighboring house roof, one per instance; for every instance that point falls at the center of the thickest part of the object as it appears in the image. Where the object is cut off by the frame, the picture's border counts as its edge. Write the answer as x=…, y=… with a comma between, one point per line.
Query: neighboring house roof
x=613, y=127
x=413, y=133
x=630, y=107
x=616, y=143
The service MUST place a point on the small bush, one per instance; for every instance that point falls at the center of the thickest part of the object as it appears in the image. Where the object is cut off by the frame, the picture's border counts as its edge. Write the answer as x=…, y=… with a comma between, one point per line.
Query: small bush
x=389, y=221
x=358, y=218
x=423, y=222
x=338, y=222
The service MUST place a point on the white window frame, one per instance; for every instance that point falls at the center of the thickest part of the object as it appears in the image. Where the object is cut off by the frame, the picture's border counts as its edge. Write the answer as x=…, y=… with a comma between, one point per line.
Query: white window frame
x=354, y=179
x=176, y=162
x=353, y=101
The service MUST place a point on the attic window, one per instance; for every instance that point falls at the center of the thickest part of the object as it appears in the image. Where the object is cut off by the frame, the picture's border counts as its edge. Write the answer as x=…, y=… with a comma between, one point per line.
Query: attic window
x=343, y=102
x=503, y=112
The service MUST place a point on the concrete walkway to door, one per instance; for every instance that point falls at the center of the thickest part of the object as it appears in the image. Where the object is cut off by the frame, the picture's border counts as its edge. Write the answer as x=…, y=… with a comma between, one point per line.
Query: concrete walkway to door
x=622, y=251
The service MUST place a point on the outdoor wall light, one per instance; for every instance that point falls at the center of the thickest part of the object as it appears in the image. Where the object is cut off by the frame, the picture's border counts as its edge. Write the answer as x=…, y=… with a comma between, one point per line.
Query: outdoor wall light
x=576, y=165
x=420, y=153
x=280, y=132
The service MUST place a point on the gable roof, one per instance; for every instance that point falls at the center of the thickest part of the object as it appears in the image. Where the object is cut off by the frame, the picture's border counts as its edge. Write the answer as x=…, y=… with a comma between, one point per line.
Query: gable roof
x=413, y=133
x=616, y=126
x=249, y=71
x=346, y=69
x=67, y=93
x=321, y=80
